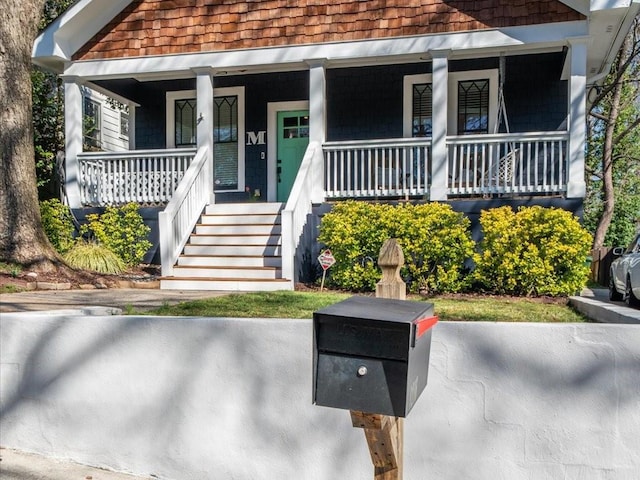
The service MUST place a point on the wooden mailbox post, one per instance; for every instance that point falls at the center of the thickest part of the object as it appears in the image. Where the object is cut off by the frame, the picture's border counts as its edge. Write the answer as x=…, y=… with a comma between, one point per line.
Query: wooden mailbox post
x=385, y=433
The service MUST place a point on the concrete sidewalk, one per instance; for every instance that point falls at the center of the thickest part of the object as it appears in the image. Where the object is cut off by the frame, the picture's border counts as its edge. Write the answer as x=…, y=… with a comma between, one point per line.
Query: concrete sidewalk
x=118, y=298
x=16, y=465
x=595, y=304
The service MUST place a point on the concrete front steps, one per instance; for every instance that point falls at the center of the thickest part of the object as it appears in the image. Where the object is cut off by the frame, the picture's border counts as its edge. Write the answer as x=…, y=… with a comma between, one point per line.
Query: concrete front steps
x=234, y=247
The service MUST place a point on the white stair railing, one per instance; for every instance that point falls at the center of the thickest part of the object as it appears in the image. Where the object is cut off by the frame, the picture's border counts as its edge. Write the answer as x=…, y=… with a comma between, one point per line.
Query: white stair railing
x=146, y=177
x=298, y=207
x=183, y=211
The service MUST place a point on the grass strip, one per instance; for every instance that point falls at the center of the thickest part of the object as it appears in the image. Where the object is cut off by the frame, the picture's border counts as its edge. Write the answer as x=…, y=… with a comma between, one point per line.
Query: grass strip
x=303, y=304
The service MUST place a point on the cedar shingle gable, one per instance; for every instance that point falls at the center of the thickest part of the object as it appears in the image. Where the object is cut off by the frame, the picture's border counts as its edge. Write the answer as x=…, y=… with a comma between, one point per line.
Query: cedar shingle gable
x=160, y=27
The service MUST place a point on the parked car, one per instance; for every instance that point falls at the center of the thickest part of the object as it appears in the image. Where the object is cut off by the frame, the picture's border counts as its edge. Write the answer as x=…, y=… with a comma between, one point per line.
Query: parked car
x=624, y=283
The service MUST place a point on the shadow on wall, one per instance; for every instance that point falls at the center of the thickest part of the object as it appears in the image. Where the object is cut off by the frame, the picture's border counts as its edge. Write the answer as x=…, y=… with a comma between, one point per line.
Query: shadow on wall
x=190, y=397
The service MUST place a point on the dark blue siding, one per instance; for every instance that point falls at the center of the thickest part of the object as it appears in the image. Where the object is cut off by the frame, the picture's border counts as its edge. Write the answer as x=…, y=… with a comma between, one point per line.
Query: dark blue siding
x=535, y=96
x=366, y=103
x=151, y=114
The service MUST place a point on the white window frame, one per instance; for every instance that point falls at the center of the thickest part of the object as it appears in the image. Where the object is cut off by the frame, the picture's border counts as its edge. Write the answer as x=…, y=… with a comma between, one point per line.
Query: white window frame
x=452, y=101
x=125, y=136
x=86, y=95
x=170, y=138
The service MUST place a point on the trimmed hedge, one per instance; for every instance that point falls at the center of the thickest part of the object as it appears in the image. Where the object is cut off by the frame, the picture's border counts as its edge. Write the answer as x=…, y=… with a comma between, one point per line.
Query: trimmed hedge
x=536, y=251
x=435, y=241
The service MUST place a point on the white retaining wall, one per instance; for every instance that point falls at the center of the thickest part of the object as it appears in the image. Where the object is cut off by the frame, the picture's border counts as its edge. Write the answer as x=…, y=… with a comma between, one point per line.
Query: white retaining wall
x=193, y=398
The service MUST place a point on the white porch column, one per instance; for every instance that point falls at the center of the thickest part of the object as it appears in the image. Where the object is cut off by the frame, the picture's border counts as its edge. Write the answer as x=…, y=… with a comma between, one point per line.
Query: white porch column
x=73, y=115
x=439, y=160
x=318, y=121
x=576, y=123
x=204, y=119
x=132, y=125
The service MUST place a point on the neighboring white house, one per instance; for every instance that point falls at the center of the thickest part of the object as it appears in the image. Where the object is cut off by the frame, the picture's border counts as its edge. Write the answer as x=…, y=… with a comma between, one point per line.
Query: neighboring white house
x=106, y=123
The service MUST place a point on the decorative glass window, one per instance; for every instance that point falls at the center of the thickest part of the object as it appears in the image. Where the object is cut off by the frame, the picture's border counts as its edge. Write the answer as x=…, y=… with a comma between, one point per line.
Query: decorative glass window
x=124, y=124
x=422, y=108
x=473, y=106
x=185, y=122
x=183, y=116
x=296, y=127
x=225, y=141
x=91, y=125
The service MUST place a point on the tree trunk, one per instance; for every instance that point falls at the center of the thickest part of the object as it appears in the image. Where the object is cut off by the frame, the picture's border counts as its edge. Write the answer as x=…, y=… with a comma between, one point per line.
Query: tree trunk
x=608, y=196
x=22, y=239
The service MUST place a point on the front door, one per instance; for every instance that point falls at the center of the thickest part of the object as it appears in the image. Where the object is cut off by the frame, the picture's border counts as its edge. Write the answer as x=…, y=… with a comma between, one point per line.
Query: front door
x=293, y=138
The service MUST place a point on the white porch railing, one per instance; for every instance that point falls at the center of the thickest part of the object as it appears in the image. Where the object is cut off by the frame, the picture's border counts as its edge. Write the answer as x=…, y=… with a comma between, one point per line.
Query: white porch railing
x=147, y=177
x=377, y=168
x=183, y=211
x=515, y=163
x=298, y=207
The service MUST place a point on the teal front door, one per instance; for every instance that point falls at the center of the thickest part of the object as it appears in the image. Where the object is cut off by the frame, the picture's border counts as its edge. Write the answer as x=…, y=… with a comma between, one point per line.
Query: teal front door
x=293, y=138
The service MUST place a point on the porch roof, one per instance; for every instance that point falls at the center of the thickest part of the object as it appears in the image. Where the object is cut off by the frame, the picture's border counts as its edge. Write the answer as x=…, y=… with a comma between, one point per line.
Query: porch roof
x=63, y=43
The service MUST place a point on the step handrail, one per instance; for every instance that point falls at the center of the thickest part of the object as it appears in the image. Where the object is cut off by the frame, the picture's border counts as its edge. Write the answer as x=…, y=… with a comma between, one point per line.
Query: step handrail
x=298, y=207
x=184, y=209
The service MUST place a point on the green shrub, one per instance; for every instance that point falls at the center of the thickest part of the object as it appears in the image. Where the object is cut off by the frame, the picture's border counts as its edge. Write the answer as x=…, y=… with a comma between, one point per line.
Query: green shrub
x=435, y=242
x=58, y=224
x=92, y=256
x=121, y=230
x=536, y=251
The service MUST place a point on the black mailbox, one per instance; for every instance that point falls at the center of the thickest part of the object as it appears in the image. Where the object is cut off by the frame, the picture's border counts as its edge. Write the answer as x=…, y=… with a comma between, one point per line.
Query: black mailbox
x=371, y=354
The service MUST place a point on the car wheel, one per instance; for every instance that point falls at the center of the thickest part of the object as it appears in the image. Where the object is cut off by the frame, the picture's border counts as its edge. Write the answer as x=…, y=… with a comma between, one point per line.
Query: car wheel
x=613, y=293
x=630, y=299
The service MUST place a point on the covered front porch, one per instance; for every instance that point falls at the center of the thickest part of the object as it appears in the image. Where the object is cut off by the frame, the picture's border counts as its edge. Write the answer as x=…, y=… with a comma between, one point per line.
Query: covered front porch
x=442, y=126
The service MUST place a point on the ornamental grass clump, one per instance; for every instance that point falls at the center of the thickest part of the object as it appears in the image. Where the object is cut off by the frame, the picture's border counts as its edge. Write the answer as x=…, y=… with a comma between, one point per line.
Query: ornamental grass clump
x=94, y=257
x=532, y=252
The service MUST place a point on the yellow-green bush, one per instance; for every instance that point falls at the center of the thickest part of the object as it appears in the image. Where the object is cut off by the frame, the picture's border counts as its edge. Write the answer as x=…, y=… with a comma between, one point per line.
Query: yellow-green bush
x=435, y=241
x=536, y=251
x=57, y=224
x=121, y=230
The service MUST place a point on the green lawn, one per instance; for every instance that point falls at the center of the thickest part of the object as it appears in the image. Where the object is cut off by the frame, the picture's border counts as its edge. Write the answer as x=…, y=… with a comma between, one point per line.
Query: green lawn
x=303, y=304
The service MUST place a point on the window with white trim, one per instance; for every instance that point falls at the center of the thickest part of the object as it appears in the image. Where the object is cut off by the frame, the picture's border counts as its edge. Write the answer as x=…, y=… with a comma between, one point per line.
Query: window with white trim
x=91, y=123
x=228, y=128
x=124, y=123
x=472, y=104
